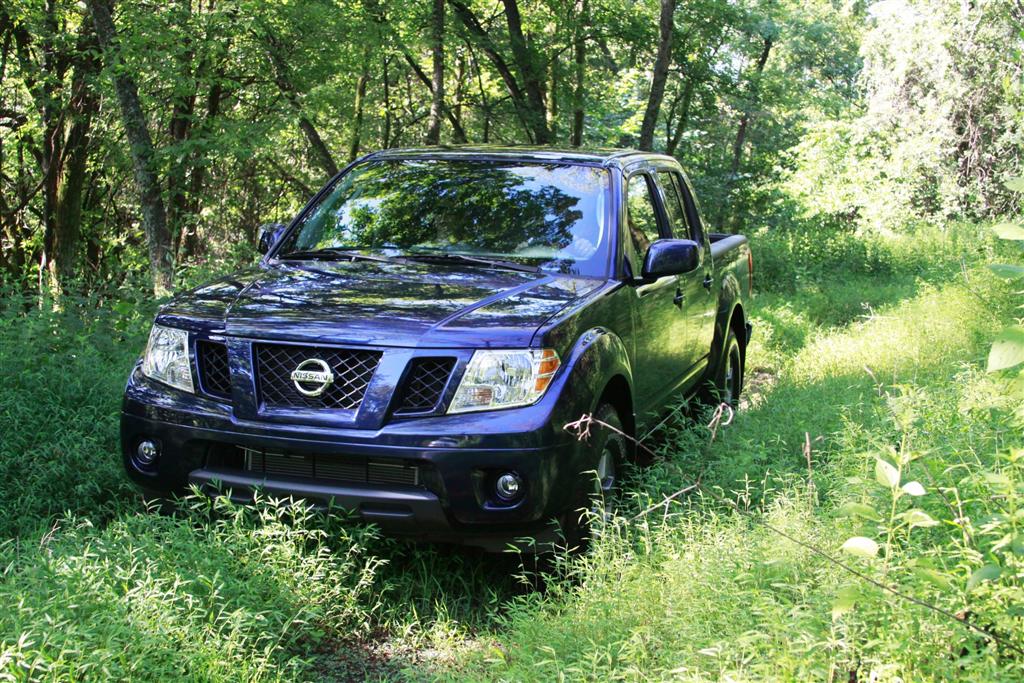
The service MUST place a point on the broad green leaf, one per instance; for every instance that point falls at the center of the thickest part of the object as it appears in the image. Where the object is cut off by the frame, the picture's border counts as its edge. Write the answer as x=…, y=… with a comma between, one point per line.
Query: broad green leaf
x=1007, y=271
x=1017, y=546
x=886, y=474
x=913, y=488
x=859, y=510
x=1009, y=231
x=861, y=547
x=919, y=518
x=933, y=577
x=1007, y=350
x=998, y=480
x=990, y=572
x=1015, y=184
x=846, y=598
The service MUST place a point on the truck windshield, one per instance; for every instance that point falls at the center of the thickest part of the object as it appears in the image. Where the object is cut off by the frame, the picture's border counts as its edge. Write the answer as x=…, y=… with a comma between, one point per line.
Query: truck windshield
x=551, y=216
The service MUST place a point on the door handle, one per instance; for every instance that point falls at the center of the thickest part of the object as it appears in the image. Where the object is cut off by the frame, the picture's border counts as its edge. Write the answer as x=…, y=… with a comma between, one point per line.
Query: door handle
x=678, y=298
x=708, y=281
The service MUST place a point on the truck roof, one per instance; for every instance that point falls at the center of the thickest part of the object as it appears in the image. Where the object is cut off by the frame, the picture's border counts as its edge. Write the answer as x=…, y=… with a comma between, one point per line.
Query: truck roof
x=603, y=156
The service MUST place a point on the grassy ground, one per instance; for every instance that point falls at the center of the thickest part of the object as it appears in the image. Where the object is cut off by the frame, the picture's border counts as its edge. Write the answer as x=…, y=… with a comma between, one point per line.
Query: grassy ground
x=877, y=351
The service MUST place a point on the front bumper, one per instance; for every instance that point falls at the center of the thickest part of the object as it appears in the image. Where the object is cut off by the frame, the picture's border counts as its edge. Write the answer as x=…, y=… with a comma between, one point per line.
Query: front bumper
x=452, y=501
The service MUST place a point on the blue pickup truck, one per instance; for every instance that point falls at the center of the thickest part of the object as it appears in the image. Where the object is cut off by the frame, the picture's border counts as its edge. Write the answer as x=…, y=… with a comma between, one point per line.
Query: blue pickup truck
x=411, y=346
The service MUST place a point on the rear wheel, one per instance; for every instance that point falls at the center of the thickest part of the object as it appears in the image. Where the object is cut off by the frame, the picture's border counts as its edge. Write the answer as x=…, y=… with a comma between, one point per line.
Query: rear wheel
x=732, y=372
x=599, y=486
x=727, y=383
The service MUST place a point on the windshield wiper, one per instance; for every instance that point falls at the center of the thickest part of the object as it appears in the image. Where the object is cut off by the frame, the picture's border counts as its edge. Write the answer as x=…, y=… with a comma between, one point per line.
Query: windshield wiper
x=337, y=254
x=463, y=258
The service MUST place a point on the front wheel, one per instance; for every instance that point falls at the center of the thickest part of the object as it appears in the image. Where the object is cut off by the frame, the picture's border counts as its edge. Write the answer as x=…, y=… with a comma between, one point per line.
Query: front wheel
x=599, y=485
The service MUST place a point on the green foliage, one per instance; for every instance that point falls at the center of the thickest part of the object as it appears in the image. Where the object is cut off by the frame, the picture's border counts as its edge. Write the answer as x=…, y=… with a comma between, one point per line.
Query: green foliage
x=220, y=593
x=63, y=368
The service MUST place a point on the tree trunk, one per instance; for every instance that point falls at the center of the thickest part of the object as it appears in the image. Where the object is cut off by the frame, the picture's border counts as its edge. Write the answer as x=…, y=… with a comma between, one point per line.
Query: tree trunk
x=741, y=131
x=192, y=246
x=67, y=219
x=457, y=130
x=528, y=115
x=437, y=83
x=531, y=73
x=580, y=66
x=684, y=118
x=357, y=107
x=386, y=72
x=179, y=127
x=661, y=64
x=321, y=153
x=66, y=114
x=154, y=217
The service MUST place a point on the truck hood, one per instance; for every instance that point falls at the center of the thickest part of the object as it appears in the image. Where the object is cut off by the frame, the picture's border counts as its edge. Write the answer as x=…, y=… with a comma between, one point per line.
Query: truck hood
x=384, y=304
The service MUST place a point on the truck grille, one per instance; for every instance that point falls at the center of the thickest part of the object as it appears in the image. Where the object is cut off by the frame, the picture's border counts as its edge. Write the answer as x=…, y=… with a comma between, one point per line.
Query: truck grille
x=329, y=468
x=424, y=385
x=352, y=370
x=214, y=376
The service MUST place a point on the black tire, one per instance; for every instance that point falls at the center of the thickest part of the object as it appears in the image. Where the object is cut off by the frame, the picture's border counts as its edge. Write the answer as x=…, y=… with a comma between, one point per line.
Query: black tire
x=726, y=384
x=596, y=494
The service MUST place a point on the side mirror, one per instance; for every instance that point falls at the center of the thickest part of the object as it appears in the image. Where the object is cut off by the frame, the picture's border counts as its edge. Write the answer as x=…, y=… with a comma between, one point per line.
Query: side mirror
x=268, y=235
x=670, y=257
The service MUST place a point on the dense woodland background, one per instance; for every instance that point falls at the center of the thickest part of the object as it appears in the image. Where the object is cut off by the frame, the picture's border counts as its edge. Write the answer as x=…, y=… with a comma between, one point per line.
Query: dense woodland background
x=145, y=135
x=860, y=519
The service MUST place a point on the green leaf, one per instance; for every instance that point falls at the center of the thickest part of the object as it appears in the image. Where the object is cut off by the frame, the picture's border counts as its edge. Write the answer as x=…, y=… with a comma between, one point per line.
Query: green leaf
x=913, y=488
x=1007, y=350
x=1007, y=271
x=886, y=474
x=1017, y=546
x=990, y=572
x=998, y=480
x=846, y=598
x=918, y=518
x=860, y=510
x=933, y=577
x=1015, y=184
x=1009, y=231
x=861, y=547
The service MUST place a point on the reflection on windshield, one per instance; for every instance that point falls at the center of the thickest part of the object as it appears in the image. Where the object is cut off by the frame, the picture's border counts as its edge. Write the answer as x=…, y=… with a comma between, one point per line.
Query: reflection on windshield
x=546, y=215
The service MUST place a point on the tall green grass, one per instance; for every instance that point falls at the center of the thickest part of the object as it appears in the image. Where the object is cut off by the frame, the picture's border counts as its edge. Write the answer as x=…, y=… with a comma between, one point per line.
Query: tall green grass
x=872, y=350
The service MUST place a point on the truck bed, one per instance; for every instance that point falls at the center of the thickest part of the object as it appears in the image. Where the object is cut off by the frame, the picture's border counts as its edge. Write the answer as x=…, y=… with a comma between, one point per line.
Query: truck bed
x=731, y=255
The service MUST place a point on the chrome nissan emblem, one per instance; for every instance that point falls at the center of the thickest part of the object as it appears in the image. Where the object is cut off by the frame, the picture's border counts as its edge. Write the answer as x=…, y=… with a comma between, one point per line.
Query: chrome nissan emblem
x=312, y=377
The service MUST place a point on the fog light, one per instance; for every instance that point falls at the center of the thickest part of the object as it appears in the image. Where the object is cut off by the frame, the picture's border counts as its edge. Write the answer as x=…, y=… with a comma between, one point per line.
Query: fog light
x=508, y=486
x=146, y=454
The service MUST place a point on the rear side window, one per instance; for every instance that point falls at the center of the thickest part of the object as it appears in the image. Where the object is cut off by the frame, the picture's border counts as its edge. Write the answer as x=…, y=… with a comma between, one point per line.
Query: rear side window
x=674, y=206
x=692, y=214
x=641, y=216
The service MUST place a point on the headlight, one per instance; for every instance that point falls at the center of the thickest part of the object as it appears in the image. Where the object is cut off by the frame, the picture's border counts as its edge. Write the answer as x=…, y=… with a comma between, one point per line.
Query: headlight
x=503, y=379
x=166, y=358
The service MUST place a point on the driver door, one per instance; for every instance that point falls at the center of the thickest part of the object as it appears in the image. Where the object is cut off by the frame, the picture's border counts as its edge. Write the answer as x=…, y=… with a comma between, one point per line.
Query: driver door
x=659, y=323
x=700, y=302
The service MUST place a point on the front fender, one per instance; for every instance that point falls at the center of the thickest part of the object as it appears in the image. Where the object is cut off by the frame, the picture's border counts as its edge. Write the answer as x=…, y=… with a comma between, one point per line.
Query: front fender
x=596, y=358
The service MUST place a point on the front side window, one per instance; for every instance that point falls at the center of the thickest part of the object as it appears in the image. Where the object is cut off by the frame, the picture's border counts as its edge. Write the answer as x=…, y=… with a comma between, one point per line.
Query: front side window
x=641, y=219
x=551, y=216
x=641, y=216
